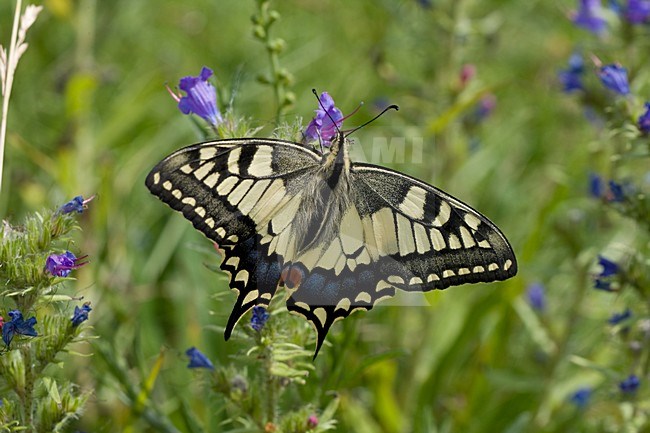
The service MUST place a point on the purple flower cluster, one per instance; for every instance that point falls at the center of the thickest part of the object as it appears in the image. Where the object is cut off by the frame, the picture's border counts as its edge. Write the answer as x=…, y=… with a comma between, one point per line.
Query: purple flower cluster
x=617, y=318
x=260, y=317
x=18, y=326
x=200, y=97
x=614, y=77
x=609, y=270
x=80, y=314
x=536, y=296
x=630, y=384
x=589, y=16
x=637, y=11
x=581, y=397
x=60, y=265
x=571, y=78
x=198, y=359
x=610, y=191
x=77, y=204
x=325, y=125
x=643, y=122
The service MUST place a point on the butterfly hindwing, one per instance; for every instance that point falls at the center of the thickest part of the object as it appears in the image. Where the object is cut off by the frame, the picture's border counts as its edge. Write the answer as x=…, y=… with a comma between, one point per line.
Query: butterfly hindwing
x=233, y=191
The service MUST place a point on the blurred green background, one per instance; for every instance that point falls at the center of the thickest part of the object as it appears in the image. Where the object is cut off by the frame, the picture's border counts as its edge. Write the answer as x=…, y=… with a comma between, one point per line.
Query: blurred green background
x=90, y=114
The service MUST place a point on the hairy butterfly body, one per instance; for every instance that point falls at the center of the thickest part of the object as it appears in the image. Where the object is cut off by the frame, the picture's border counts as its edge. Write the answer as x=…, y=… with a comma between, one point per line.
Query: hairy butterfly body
x=339, y=235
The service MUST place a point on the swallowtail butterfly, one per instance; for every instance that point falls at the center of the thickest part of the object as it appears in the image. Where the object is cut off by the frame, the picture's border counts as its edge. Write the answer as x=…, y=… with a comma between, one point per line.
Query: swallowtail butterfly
x=339, y=235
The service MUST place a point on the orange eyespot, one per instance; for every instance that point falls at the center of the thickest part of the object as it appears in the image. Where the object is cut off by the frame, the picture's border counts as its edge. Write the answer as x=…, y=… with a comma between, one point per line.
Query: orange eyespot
x=291, y=277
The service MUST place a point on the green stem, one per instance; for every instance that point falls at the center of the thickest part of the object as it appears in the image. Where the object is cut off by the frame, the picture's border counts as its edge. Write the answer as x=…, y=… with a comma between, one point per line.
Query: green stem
x=84, y=64
x=278, y=79
x=27, y=397
x=270, y=384
x=6, y=88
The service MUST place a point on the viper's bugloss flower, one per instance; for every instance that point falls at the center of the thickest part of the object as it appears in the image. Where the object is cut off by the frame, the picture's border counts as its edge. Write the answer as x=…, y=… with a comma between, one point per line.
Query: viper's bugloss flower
x=485, y=106
x=327, y=121
x=615, y=7
x=609, y=268
x=617, y=193
x=260, y=317
x=198, y=359
x=17, y=325
x=589, y=16
x=595, y=185
x=80, y=314
x=643, y=122
x=77, y=204
x=60, y=265
x=581, y=397
x=571, y=78
x=612, y=191
x=536, y=296
x=467, y=73
x=617, y=318
x=603, y=280
x=201, y=97
x=637, y=11
x=312, y=422
x=630, y=384
x=614, y=77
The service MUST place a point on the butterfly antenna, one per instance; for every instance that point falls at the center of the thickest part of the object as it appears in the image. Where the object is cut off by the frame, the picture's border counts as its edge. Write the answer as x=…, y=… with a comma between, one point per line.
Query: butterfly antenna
x=390, y=107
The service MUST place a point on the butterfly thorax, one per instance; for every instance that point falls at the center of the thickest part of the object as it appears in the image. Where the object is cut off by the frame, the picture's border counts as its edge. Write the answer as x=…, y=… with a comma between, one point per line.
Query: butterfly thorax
x=326, y=199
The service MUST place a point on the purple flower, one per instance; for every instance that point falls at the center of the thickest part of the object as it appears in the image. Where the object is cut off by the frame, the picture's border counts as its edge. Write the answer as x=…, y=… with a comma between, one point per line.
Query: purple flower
x=201, y=98
x=595, y=185
x=571, y=78
x=60, y=265
x=536, y=296
x=614, y=77
x=603, y=280
x=324, y=126
x=605, y=286
x=589, y=16
x=260, y=317
x=198, y=359
x=467, y=73
x=643, y=122
x=609, y=268
x=18, y=325
x=312, y=422
x=581, y=397
x=620, y=317
x=630, y=384
x=615, y=7
x=617, y=194
x=80, y=314
x=486, y=106
x=77, y=204
x=637, y=11
x=612, y=192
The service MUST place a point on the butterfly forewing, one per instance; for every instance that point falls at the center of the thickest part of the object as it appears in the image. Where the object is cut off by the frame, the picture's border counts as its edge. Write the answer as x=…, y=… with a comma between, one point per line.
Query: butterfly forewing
x=233, y=191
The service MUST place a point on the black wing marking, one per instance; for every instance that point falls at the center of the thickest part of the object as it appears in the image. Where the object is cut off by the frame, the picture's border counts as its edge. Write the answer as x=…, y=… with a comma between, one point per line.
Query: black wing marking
x=232, y=191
